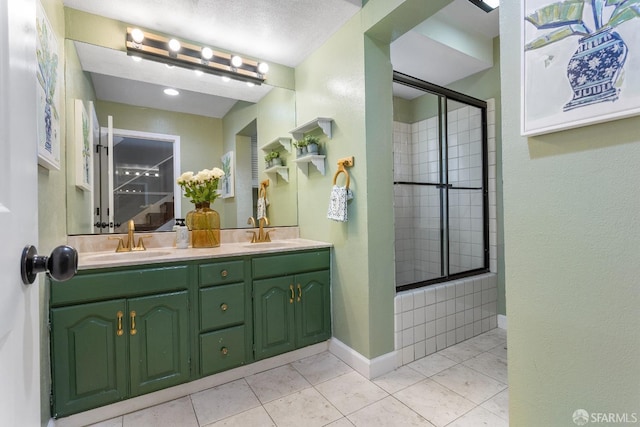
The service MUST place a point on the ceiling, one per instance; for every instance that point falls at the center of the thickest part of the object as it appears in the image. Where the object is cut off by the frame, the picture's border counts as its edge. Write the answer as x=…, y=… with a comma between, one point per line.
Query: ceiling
x=279, y=31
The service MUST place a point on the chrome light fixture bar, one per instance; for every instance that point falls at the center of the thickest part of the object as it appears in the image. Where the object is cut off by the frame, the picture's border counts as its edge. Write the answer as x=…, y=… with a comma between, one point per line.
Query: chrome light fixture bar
x=486, y=5
x=159, y=48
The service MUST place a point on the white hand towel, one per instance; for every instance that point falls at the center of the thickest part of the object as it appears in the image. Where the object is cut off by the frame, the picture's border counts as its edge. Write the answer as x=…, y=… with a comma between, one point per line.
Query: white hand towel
x=338, y=203
x=262, y=207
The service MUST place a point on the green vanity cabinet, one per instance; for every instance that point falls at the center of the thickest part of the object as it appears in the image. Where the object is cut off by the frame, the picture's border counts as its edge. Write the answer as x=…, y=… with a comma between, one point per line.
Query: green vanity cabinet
x=291, y=310
x=122, y=346
x=224, y=338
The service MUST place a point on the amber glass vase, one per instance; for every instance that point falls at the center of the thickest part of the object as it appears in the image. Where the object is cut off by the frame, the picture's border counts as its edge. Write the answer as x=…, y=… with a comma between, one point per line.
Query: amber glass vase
x=204, y=224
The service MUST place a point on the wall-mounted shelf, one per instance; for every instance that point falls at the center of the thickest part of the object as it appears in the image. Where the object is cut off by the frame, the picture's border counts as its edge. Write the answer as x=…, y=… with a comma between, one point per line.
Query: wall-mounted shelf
x=283, y=171
x=316, y=159
x=284, y=142
x=323, y=123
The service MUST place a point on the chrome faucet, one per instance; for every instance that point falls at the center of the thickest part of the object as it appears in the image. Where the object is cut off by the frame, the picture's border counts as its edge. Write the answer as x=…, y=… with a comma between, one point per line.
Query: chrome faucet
x=130, y=245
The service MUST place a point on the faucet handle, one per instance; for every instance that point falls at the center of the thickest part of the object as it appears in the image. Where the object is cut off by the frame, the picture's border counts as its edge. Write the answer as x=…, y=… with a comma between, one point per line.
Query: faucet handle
x=121, y=247
x=254, y=238
x=140, y=246
x=267, y=238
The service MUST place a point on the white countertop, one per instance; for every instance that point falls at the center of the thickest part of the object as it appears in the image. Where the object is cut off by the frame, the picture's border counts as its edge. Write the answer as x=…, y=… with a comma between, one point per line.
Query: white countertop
x=105, y=259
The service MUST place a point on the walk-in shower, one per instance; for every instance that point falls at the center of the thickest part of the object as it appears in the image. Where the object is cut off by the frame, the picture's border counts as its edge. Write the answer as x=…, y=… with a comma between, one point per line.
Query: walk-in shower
x=440, y=184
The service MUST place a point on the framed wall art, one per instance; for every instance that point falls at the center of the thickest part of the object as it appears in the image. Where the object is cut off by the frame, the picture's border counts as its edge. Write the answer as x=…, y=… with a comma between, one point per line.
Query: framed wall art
x=49, y=88
x=578, y=62
x=83, y=138
x=227, y=184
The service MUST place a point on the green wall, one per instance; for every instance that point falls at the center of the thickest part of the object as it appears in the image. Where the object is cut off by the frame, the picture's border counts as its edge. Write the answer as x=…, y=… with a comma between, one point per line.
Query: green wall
x=571, y=227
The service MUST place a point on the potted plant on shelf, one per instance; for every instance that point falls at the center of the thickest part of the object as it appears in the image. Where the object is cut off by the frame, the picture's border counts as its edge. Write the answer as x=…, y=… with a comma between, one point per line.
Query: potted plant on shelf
x=272, y=159
x=301, y=147
x=312, y=143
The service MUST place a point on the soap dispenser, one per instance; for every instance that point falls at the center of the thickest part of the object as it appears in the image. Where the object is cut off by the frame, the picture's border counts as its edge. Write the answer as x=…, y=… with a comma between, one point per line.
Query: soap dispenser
x=182, y=234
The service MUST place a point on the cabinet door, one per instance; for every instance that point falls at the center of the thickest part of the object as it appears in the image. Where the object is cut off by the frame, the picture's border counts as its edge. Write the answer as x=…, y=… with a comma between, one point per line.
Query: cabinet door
x=274, y=316
x=88, y=348
x=158, y=333
x=313, y=312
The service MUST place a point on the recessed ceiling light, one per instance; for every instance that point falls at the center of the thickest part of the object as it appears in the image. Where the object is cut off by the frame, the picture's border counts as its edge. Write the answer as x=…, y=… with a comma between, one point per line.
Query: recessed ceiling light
x=171, y=92
x=263, y=68
x=174, y=45
x=236, y=61
x=207, y=53
x=137, y=35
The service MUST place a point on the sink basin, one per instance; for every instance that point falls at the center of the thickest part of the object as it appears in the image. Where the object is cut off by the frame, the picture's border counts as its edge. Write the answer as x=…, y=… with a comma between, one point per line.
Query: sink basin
x=268, y=245
x=121, y=256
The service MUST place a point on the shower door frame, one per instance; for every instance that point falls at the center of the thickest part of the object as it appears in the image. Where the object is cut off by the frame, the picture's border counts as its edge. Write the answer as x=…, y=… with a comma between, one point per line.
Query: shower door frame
x=444, y=94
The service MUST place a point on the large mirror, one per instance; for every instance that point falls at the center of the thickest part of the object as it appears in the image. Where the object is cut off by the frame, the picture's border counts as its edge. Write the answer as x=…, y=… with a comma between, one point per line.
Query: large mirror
x=142, y=139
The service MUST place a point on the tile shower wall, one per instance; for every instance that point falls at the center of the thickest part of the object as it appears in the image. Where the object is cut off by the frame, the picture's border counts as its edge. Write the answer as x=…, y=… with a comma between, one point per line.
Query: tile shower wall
x=433, y=318
x=417, y=208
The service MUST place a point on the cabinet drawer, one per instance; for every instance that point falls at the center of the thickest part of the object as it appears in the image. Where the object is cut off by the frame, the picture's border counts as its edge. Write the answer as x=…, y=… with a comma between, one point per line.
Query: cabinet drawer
x=221, y=306
x=221, y=272
x=222, y=350
x=282, y=265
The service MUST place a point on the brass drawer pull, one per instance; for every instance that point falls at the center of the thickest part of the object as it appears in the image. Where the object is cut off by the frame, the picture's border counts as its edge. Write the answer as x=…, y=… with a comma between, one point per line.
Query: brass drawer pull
x=224, y=351
x=224, y=273
x=299, y=292
x=293, y=295
x=120, y=332
x=133, y=323
x=224, y=307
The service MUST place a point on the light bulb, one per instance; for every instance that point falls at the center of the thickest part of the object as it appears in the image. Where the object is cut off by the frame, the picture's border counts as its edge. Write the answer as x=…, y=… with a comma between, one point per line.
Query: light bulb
x=263, y=68
x=137, y=35
x=171, y=92
x=207, y=53
x=174, y=45
x=236, y=61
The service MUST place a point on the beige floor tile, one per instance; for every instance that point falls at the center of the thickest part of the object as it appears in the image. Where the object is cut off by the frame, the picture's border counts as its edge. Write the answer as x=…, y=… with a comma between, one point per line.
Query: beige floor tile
x=432, y=364
x=488, y=340
x=113, y=422
x=321, y=367
x=470, y=384
x=479, y=417
x=461, y=352
x=170, y=414
x=396, y=380
x=256, y=417
x=342, y=422
x=436, y=403
x=351, y=392
x=223, y=401
x=500, y=350
x=490, y=365
x=275, y=383
x=307, y=408
x=387, y=412
x=499, y=404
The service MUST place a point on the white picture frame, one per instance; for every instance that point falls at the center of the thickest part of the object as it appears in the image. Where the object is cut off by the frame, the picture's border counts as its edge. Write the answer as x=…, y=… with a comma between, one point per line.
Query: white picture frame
x=49, y=81
x=83, y=146
x=563, y=81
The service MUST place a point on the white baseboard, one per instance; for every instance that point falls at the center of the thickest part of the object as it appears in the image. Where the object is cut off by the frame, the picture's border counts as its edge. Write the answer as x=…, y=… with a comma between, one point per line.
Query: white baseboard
x=368, y=368
x=502, y=321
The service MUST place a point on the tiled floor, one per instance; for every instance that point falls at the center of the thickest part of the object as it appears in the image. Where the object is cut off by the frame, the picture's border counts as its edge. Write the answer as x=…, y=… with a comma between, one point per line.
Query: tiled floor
x=463, y=385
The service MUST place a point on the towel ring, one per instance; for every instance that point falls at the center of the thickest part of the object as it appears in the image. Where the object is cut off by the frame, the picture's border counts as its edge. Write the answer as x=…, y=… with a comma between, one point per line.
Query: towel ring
x=341, y=169
x=263, y=189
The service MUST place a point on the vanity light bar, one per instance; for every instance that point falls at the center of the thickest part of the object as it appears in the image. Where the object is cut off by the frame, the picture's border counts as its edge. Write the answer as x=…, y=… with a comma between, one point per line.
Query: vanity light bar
x=156, y=48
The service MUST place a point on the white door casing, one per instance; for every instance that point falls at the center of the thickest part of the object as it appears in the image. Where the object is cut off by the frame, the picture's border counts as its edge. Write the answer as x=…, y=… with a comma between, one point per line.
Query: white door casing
x=19, y=310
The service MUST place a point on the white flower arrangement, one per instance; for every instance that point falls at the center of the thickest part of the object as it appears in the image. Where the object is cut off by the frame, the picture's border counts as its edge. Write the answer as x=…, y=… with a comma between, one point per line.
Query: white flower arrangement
x=201, y=187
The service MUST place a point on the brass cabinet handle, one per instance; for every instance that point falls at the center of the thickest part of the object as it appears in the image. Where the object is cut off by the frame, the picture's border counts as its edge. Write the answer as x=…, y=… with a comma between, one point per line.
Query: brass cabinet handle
x=293, y=295
x=299, y=292
x=224, y=351
x=224, y=273
x=224, y=307
x=133, y=323
x=119, y=332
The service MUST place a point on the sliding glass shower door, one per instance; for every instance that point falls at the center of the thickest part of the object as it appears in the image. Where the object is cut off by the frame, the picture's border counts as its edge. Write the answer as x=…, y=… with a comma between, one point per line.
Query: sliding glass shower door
x=440, y=186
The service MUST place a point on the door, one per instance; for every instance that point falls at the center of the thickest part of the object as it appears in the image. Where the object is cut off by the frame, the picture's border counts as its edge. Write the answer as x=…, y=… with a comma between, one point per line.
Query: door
x=274, y=316
x=19, y=319
x=313, y=315
x=89, y=350
x=159, y=341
